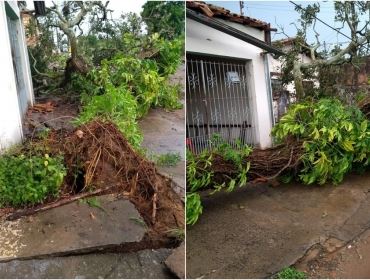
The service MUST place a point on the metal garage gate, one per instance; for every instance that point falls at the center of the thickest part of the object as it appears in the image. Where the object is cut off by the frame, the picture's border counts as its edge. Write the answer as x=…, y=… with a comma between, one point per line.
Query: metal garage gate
x=217, y=102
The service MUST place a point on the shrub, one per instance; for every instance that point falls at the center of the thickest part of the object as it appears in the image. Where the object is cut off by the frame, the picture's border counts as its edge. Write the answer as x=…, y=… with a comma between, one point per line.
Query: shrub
x=116, y=105
x=335, y=138
x=29, y=180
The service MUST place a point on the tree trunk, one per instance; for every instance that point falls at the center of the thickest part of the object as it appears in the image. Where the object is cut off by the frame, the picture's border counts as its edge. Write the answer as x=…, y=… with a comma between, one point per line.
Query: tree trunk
x=75, y=63
x=298, y=81
x=73, y=44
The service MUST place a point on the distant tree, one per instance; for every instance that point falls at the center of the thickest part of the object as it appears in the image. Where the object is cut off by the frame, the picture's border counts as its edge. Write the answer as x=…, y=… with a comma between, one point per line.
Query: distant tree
x=165, y=17
x=105, y=39
x=68, y=16
x=349, y=14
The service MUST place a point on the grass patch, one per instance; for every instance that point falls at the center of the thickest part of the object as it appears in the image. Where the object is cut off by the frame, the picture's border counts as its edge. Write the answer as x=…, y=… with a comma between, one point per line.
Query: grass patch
x=139, y=221
x=169, y=159
x=291, y=273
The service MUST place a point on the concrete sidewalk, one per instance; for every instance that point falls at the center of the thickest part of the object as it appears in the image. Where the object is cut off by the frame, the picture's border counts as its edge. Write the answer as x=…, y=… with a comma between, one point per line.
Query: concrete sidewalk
x=71, y=227
x=258, y=230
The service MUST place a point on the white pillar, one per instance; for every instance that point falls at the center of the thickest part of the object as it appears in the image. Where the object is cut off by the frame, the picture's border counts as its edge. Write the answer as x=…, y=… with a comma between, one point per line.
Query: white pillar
x=260, y=102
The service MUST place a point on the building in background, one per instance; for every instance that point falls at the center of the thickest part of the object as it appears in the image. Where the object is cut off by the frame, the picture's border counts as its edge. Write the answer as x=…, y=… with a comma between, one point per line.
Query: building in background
x=283, y=95
x=228, y=77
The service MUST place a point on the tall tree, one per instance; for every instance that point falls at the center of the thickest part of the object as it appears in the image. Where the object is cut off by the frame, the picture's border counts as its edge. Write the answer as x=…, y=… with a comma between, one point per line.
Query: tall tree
x=68, y=17
x=165, y=17
x=353, y=15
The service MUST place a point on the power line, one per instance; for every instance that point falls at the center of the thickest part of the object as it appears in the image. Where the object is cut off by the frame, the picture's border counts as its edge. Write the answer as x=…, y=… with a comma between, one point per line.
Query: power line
x=300, y=7
x=271, y=9
x=253, y=4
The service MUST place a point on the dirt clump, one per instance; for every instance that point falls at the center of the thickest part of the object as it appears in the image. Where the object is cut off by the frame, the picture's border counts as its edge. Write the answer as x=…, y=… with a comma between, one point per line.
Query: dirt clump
x=97, y=155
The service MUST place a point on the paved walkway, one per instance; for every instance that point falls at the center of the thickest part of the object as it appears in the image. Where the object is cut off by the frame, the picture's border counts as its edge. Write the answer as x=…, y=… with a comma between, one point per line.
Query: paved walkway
x=141, y=265
x=257, y=230
x=71, y=227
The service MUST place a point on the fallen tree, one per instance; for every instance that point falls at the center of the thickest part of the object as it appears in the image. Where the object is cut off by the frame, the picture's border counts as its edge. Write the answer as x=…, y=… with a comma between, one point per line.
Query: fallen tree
x=319, y=141
x=351, y=15
x=67, y=17
x=99, y=160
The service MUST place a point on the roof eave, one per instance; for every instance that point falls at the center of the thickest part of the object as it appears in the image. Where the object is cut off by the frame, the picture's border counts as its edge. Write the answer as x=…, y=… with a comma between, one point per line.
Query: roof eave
x=218, y=25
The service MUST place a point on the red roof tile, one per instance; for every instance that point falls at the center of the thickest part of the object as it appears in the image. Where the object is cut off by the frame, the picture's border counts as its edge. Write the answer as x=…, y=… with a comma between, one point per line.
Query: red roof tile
x=211, y=10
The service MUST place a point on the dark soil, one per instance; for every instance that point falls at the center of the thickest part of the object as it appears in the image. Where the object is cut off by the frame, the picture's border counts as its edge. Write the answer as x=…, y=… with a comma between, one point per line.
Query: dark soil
x=65, y=109
x=105, y=158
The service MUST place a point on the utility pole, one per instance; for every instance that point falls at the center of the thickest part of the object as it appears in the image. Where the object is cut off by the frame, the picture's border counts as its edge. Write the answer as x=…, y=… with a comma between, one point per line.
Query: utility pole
x=241, y=3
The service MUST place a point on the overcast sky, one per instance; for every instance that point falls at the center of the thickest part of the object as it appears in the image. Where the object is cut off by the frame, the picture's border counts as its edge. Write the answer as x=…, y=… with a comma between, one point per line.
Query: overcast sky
x=278, y=13
x=118, y=6
x=282, y=13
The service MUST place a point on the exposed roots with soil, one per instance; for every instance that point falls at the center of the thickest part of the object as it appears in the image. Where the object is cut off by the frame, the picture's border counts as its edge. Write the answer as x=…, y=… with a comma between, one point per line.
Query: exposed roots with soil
x=265, y=164
x=104, y=156
x=270, y=163
x=99, y=160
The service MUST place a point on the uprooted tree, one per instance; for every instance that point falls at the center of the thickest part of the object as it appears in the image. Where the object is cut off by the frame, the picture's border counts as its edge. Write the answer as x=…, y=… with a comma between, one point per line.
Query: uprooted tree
x=352, y=15
x=69, y=16
x=318, y=140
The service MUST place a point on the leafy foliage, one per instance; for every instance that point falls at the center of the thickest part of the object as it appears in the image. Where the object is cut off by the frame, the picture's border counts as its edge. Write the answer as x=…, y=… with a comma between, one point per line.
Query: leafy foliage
x=291, y=273
x=29, y=180
x=165, y=17
x=169, y=54
x=124, y=88
x=200, y=175
x=335, y=138
x=117, y=104
x=193, y=208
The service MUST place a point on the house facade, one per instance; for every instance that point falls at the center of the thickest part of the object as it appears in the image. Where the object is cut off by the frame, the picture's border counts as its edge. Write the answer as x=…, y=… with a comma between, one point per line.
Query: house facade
x=15, y=75
x=283, y=95
x=228, y=77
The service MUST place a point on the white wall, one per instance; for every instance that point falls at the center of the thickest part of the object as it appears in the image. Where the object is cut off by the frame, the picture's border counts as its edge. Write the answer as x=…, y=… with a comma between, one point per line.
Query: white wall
x=10, y=116
x=206, y=40
x=275, y=66
x=255, y=32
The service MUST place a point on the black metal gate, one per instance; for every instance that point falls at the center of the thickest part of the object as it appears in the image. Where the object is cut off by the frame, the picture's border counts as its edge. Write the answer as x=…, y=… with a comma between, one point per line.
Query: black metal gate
x=217, y=102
